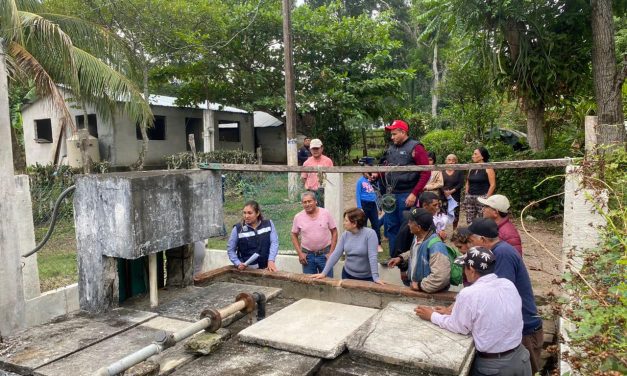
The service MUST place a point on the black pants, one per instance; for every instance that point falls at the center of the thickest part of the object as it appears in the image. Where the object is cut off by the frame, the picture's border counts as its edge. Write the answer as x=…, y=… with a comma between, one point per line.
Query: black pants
x=372, y=213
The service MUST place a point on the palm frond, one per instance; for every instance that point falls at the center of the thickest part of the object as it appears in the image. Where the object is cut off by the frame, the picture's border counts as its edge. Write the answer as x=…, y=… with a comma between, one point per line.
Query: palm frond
x=95, y=39
x=10, y=29
x=41, y=36
x=28, y=65
x=105, y=87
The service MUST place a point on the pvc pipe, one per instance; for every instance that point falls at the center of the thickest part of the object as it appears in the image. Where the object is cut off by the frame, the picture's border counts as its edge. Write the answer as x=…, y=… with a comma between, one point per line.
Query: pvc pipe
x=233, y=308
x=152, y=278
x=156, y=347
x=130, y=360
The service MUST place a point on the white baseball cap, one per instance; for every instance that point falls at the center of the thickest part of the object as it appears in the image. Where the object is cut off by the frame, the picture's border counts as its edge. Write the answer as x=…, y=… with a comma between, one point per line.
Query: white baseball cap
x=315, y=143
x=496, y=202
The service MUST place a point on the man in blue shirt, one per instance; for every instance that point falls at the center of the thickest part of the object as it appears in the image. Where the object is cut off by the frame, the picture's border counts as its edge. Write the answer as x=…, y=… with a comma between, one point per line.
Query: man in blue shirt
x=509, y=264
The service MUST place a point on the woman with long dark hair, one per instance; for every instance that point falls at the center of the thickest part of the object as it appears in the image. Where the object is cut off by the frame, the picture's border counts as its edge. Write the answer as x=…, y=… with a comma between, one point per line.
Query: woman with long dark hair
x=254, y=235
x=479, y=183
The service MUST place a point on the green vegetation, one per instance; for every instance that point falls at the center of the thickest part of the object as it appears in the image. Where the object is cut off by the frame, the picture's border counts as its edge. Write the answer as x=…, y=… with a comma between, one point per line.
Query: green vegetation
x=57, y=259
x=597, y=303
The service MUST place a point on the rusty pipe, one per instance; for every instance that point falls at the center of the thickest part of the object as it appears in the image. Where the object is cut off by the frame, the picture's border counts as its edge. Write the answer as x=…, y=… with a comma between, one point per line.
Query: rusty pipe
x=244, y=303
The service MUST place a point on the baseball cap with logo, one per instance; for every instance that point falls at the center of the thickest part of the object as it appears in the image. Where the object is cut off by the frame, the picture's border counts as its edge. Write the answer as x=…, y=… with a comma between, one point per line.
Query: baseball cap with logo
x=480, y=258
x=315, y=143
x=496, y=202
x=421, y=217
x=398, y=124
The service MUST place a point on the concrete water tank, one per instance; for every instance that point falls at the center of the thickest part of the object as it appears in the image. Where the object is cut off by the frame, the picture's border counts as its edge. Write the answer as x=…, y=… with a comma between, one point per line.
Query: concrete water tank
x=74, y=150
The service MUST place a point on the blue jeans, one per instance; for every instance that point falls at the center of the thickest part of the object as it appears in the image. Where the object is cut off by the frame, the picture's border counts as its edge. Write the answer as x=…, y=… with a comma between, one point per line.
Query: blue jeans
x=392, y=221
x=315, y=264
x=345, y=275
x=372, y=213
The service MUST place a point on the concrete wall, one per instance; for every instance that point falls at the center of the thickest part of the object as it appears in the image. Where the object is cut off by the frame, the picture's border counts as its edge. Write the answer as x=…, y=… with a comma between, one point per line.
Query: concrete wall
x=127, y=146
x=51, y=304
x=217, y=258
x=43, y=153
x=273, y=144
x=133, y=214
x=26, y=236
x=247, y=133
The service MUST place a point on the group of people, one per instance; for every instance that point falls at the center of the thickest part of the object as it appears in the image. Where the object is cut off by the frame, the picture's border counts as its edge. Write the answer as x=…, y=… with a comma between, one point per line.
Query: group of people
x=496, y=305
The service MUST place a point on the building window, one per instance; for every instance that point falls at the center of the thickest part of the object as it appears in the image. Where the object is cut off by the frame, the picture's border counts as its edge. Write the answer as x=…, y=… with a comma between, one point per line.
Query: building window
x=92, y=124
x=228, y=131
x=43, y=131
x=156, y=132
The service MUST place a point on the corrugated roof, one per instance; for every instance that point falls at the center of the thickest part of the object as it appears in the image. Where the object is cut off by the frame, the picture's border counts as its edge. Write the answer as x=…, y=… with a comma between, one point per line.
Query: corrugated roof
x=264, y=119
x=165, y=101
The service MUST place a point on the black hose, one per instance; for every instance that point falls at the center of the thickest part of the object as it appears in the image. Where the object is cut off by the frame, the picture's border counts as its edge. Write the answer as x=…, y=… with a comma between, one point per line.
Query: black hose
x=55, y=213
x=260, y=298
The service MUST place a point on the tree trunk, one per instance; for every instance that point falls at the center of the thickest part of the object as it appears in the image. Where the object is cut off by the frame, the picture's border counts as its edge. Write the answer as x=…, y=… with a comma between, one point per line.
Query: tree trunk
x=19, y=156
x=139, y=165
x=83, y=139
x=607, y=81
x=535, y=125
x=436, y=81
x=365, y=141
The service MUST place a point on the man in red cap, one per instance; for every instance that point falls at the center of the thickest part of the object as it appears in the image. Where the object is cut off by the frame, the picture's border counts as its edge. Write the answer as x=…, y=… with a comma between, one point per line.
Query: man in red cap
x=406, y=186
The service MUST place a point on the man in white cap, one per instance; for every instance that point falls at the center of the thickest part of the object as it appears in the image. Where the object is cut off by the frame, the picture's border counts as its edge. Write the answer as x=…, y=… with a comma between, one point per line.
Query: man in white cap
x=311, y=180
x=490, y=310
x=496, y=207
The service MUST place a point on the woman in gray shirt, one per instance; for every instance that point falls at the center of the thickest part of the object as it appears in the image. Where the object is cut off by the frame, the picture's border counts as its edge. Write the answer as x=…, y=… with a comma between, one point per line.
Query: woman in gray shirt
x=359, y=244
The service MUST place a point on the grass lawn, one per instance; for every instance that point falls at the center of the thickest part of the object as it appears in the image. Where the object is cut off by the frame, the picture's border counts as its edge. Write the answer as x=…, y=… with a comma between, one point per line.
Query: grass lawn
x=271, y=193
x=57, y=259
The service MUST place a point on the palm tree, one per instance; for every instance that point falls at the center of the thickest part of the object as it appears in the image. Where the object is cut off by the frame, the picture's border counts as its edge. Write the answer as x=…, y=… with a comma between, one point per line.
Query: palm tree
x=52, y=51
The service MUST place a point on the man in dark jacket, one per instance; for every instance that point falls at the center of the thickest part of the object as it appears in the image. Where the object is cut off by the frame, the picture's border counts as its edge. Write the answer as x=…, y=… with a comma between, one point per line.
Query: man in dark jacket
x=405, y=186
x=304, y=153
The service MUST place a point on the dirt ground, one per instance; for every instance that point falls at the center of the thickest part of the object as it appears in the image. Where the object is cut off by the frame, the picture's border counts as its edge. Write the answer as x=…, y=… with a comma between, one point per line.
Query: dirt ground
x=543, y=266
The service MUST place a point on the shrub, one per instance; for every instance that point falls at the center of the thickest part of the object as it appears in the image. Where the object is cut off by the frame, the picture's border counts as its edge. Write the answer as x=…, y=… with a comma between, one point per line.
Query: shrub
x=235, y=183
x=46, y=184
x=520, y=186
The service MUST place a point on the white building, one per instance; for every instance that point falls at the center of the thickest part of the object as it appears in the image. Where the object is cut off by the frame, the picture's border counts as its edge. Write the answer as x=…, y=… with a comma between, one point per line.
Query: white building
x=119, y=140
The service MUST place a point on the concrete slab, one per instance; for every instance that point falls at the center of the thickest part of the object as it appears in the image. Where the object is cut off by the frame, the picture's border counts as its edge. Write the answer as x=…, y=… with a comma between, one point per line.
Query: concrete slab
x=397, y=336
x=40, y=345
x=235, y=358
x=87, y=361
x=217, y=295
x=310, y=327
x=7, y=373
x=347, y=366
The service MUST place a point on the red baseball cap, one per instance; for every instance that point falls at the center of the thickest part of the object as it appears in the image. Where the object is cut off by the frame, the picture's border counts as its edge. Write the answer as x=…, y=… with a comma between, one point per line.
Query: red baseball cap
x=398, y=124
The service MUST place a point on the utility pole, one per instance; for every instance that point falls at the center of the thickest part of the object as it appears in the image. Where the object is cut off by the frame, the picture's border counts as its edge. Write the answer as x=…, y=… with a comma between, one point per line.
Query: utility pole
x=12, y=293
x=290, y=101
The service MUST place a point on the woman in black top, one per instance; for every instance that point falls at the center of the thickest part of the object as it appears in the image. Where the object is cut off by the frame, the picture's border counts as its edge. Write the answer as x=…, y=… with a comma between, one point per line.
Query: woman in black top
x=453, y=183
x=479, y=183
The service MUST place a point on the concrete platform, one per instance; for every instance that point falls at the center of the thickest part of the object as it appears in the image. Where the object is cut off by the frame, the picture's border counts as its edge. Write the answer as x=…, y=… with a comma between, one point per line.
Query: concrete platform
x=188, y=306
x=397, y=336
x=347, y=366
x=235, y=358
x=310, y=327
x=87, y=361
x=41, y=345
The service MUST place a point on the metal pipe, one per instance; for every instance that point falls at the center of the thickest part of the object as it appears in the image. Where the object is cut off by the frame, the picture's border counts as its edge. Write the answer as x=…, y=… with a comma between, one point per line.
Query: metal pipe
x=165, y=341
